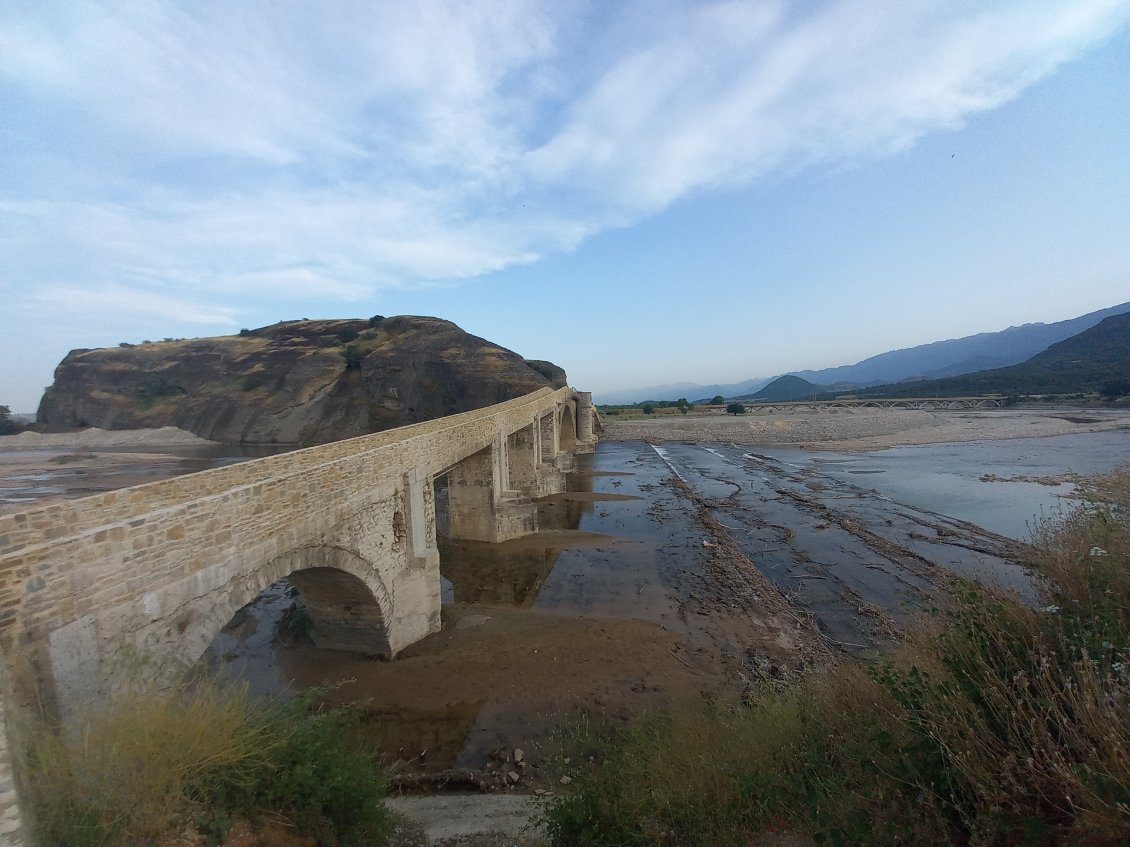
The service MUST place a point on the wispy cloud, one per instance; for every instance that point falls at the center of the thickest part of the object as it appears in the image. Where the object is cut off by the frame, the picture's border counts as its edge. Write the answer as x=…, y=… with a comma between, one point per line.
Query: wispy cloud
x=231, y=150
x=102, y=303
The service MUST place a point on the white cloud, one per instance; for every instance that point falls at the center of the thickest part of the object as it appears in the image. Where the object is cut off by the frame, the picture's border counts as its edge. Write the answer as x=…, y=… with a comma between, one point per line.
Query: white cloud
x=717, y=103
x=124, y=306
x=328, y=151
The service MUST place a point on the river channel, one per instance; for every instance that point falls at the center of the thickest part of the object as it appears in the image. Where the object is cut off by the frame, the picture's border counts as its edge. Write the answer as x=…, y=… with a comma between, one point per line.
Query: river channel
x=667, y=570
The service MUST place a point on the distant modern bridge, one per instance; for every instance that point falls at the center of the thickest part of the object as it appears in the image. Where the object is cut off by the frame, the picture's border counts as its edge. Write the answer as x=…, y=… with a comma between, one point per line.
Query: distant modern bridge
x=162, y=567
x=927, y=403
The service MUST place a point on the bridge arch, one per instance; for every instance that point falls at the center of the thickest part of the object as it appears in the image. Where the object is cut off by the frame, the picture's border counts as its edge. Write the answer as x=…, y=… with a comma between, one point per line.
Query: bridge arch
x=348, y=602
x=566, y=428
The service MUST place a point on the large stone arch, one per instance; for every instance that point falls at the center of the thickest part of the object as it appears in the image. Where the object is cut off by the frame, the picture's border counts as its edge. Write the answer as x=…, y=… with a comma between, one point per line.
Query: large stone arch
x=348, y=602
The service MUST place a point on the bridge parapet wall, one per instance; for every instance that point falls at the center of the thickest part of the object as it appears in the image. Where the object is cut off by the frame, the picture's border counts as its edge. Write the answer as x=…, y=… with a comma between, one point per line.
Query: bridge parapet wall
x=124, y=561
x=57, y=520
x=163, y=566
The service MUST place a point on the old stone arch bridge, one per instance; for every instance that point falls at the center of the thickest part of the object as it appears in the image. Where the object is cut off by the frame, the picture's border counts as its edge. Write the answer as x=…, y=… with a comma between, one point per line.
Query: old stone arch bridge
x=162, y=567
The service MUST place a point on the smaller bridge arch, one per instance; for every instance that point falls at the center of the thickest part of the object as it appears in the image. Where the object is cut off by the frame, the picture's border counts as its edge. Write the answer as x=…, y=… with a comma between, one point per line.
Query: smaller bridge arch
x=348, y=602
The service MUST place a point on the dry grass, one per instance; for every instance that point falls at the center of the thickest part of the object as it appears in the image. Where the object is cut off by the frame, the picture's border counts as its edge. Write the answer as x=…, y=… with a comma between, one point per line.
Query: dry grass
x=146, y=767
x=136, y=767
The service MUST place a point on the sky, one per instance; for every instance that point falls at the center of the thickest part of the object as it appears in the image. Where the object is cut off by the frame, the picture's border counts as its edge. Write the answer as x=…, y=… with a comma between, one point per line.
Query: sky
x=642, y=192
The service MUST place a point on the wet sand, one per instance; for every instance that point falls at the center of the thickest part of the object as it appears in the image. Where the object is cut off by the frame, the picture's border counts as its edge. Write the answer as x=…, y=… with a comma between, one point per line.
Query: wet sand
x=631, y=600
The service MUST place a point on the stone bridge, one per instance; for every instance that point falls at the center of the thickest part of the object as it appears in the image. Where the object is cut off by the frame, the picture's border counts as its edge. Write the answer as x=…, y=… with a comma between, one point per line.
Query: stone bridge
x=160, y=568
x=926, y=403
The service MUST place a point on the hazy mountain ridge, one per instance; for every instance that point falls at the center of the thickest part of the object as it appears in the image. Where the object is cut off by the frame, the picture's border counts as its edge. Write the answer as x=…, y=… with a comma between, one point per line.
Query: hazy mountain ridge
x=1081, y=363
x=956, y=356
x=673, y=391
x=938, y=359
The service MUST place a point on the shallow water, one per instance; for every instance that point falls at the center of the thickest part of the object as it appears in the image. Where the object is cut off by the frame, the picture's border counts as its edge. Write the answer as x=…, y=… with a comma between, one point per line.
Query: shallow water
x=947, y=478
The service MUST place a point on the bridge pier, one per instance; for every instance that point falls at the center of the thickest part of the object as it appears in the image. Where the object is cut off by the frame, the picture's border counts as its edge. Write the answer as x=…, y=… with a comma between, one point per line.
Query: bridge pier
x=481, y=504
x=586, y=434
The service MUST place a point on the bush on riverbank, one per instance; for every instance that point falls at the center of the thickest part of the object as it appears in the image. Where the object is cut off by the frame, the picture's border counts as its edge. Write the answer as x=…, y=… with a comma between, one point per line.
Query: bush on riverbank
x=147, y=766
x=996, y=724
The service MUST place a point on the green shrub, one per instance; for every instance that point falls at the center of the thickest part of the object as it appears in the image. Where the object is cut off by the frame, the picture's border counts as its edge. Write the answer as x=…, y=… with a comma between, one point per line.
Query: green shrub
x=316, y=777
x=353, y=356
x=155, y=387
x=7, y=425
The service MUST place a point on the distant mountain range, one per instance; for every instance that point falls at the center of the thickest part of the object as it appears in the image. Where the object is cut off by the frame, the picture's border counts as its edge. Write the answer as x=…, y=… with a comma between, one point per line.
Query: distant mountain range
x=673, y=391
x=1082, y=363
x=986, y=350
x=960, y=355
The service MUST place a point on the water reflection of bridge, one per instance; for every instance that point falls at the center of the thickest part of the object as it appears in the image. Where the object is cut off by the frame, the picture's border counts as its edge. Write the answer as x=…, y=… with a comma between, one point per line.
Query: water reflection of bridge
x=512, y=573
x=924, y=403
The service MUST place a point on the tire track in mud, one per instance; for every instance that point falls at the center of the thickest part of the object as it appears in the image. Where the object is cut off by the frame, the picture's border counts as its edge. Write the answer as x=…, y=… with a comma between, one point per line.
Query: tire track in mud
x=857, y=564
x=733, y=585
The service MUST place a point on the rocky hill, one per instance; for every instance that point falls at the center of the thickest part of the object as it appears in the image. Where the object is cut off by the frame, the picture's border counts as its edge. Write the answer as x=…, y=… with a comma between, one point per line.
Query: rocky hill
x=295, y=382
x=783, y=389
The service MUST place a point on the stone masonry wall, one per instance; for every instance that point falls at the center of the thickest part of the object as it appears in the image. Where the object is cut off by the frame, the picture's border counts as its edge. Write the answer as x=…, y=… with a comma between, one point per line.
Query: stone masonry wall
x=166, y=564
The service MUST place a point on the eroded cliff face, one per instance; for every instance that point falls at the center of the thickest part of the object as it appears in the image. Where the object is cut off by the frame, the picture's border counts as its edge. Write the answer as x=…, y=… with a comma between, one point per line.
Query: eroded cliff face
x=296, y=382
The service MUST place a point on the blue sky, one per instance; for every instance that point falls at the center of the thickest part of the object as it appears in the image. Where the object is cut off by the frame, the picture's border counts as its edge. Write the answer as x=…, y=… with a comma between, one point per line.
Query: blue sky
x=643, y=192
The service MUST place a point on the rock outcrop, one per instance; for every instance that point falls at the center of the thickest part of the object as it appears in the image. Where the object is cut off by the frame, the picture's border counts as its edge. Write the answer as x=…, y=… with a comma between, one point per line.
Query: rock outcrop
x=295, y=382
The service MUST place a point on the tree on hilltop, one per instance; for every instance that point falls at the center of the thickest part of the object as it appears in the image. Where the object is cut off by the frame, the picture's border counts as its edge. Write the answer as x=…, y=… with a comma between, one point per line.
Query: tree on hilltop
x=683, y=405
x=717, y=400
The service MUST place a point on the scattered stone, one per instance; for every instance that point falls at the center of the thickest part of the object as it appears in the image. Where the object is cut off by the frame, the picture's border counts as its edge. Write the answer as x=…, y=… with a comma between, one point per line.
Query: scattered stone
x=566, y=779
x=513, y=776
x=519, y=754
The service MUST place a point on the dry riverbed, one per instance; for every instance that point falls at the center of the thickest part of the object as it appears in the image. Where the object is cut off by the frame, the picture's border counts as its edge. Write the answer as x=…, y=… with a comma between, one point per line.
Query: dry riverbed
x=865, y=429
